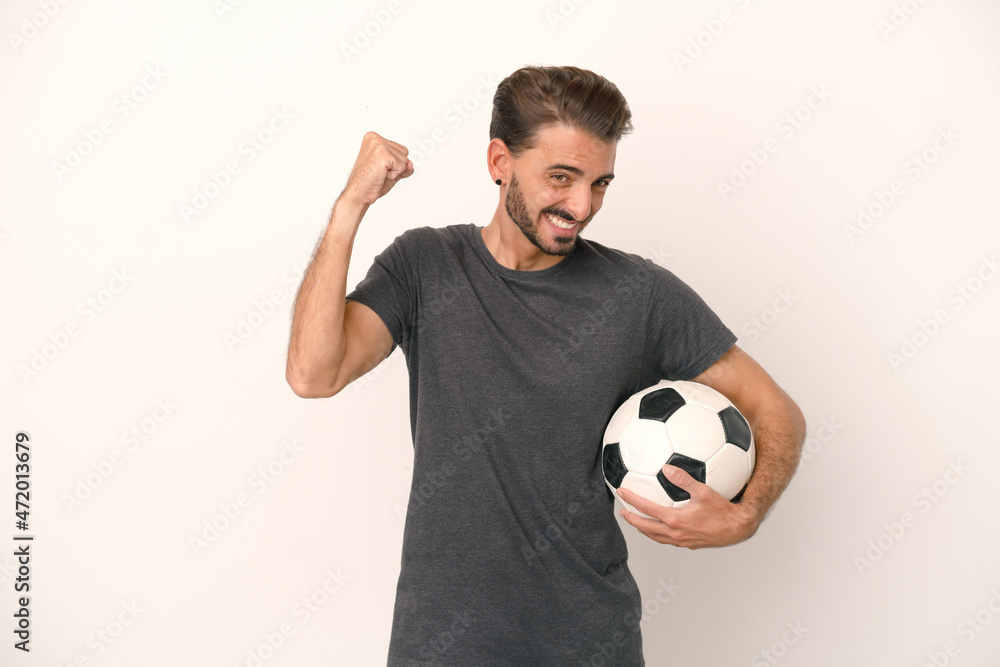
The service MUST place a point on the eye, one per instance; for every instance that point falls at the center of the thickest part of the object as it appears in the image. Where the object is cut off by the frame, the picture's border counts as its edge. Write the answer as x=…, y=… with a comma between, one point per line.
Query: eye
x=562, y=178
x=603, y=183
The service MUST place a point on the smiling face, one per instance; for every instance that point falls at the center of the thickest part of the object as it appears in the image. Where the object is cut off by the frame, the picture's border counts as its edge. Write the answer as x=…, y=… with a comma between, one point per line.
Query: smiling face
x=557, y=186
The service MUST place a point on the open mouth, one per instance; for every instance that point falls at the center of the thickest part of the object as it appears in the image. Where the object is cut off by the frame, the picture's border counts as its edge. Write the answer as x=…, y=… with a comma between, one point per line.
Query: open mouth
x=560, y=223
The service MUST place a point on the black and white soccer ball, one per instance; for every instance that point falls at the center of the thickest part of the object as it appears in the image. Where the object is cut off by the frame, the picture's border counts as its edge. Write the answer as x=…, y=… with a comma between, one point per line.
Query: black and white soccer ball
x=685, y=424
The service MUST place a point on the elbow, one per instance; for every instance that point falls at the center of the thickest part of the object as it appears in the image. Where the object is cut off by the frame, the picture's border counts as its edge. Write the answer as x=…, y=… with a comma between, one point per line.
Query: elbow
x=798, y=420
x=309, y=388
x=797, y=424
x=308, y=391
x=781, y=416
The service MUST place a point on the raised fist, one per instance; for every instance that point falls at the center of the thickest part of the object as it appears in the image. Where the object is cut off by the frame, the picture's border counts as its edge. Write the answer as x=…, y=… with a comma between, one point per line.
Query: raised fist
x=380, y=164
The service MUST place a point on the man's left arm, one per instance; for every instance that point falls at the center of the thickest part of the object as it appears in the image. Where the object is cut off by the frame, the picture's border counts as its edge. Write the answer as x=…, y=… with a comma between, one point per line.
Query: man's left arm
x=709, y=519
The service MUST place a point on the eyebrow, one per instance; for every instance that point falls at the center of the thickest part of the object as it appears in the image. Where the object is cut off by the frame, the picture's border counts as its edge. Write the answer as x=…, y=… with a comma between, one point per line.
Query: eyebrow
x=576, y=171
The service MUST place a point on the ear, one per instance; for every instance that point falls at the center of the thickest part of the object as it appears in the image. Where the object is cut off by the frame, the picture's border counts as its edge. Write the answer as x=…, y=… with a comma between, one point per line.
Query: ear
x=499, y=161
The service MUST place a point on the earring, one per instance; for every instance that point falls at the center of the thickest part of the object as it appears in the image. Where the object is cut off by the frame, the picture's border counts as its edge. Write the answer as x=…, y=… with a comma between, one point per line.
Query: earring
x=499, y=182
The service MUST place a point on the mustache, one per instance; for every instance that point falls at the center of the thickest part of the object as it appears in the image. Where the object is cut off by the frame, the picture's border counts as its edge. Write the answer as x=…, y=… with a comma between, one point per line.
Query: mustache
x=560, y=213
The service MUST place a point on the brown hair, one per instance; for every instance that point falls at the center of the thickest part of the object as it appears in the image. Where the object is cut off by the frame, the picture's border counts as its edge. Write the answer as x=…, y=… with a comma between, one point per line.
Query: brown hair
x=533, y=97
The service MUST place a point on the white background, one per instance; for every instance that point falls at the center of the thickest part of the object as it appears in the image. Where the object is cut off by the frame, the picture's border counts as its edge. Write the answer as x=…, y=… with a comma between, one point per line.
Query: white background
x=117, y=299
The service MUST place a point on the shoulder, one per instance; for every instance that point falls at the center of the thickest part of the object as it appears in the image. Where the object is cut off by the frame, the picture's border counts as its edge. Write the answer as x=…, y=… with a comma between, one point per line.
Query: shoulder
x=427, y=238
x=599, y=257
x=598, y=253
x=424, y=251
x=633, y=273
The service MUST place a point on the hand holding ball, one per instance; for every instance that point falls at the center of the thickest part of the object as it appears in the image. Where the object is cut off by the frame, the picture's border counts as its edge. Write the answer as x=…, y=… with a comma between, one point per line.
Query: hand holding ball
x=686, y=424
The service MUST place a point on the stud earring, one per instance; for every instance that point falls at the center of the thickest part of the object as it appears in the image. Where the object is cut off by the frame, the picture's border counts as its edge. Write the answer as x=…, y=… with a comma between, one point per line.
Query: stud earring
x=499, y=182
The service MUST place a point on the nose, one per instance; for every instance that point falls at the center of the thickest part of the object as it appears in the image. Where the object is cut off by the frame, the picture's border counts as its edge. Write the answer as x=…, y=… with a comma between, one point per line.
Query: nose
x=580, y=202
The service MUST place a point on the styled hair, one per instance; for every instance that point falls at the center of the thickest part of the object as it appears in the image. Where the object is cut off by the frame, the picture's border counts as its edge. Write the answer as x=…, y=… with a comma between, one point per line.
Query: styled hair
x=533, y=97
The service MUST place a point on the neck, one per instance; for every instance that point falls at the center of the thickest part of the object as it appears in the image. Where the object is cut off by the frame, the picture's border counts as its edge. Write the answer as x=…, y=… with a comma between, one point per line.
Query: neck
x=511, y=248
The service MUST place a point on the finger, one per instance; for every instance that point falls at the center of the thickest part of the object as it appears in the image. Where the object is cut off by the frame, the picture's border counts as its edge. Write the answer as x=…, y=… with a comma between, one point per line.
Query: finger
x=396, y=157
x=399, y=148
x=643, y=524
x=681, y=478
x=391, y=165
x=400, y=170
x=389, y=155
x=393, y=160
x=651, y=528
x=371, y=137
x=644, y=505
x=672, y=517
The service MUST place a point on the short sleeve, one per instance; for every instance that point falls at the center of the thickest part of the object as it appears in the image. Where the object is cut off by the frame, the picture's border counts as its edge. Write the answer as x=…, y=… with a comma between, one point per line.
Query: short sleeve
x=388, y=289
x=683, y=335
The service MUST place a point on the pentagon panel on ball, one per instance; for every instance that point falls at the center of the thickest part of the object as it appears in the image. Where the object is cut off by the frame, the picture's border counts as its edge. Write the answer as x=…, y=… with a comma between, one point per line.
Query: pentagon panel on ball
x=685, y=424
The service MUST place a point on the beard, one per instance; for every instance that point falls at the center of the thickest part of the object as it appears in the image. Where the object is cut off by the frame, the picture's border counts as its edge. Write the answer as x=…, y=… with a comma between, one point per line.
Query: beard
x=517, y=209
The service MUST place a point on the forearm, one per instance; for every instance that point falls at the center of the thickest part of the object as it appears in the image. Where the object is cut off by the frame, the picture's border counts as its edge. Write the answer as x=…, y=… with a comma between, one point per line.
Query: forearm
x=709, y=519
x=779, y=430
x=317, y=343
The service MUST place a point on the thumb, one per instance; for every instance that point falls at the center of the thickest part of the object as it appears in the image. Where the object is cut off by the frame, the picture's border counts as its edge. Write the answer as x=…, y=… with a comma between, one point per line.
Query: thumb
x=397, y=172
x=680, y=478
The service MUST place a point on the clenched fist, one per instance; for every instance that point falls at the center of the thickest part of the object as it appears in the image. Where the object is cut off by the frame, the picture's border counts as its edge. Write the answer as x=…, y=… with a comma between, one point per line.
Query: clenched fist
x=380, y=165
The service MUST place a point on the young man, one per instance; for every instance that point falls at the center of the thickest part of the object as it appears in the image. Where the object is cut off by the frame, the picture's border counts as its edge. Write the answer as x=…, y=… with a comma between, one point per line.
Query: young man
x=521, y=339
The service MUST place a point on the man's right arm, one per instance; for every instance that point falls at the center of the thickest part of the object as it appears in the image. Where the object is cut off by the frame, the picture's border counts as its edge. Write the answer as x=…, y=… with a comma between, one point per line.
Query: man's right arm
x=334, y=342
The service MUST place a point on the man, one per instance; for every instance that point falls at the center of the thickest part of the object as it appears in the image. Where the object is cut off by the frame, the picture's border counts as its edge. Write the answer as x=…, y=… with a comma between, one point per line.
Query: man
x=521, y=339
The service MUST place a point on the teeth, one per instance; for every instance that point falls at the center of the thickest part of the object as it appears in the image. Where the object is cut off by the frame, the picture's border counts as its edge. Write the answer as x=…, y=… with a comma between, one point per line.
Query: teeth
x=559, y=222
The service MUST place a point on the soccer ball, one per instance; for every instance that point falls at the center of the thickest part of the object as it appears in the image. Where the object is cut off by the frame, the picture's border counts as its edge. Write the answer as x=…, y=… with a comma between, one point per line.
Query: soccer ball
x=685, y=424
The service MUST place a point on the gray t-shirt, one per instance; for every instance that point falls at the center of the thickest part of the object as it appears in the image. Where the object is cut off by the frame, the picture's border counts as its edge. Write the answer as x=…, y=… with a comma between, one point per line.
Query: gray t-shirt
x=512, y=554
